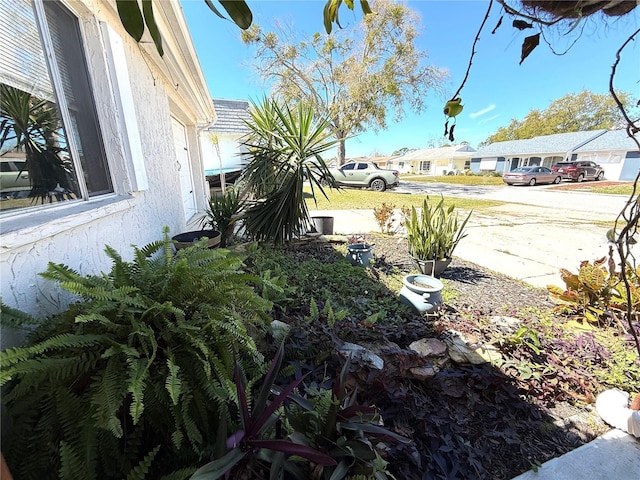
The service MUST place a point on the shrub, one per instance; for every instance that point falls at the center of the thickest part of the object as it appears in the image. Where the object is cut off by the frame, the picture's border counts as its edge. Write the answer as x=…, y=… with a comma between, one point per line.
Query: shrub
x=136, y=376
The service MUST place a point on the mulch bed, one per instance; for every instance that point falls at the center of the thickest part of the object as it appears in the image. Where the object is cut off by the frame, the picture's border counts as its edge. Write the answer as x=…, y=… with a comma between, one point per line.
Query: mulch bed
x=469, y=421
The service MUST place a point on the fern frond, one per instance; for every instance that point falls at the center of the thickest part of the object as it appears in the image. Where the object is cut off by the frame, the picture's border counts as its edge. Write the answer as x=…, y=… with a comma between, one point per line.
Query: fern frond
x=139, y=472
x=13, y=318
x=173, y=382
x=71, y=464
x=138, y=374
x=60, y=273
x=109, y=390
x=182, y=474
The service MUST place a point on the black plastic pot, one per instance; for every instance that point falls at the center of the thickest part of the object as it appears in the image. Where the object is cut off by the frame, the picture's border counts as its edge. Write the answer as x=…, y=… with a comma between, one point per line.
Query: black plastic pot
x=187, y=239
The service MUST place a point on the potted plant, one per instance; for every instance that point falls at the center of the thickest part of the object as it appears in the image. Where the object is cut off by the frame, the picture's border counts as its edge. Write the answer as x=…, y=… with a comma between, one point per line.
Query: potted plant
x=223, y=212
x=433, y=234
x=359, y=251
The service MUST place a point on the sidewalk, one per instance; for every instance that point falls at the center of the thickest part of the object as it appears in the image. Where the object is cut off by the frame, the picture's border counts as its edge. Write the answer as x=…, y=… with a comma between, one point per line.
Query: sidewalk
x=521, y=241
x=526, y=243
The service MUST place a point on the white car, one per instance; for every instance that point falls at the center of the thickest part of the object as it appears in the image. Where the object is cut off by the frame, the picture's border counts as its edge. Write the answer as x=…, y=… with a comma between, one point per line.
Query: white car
x=365, y=174
x=14, y=178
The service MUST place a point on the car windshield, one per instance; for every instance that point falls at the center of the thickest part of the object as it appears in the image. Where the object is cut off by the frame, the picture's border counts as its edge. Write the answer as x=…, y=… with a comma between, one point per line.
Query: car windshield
x=522, y=170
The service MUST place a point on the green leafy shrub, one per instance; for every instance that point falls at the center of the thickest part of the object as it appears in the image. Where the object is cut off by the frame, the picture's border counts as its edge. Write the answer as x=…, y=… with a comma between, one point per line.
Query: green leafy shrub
x=135, y=378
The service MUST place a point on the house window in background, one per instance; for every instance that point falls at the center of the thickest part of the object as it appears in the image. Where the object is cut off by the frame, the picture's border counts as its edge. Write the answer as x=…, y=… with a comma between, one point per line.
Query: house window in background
x=425, y=166
x=48, y=123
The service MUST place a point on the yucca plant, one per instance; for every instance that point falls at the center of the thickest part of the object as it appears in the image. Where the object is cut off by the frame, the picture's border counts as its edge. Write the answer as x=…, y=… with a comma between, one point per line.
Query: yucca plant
x=135, y=378
x=285, y=149
x=434, y=233
x=223, y=212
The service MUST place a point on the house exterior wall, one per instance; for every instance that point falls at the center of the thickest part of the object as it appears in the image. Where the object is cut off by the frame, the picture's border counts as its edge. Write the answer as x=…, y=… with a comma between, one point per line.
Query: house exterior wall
x=75, y=233
x=230, y=152
x=630, y=167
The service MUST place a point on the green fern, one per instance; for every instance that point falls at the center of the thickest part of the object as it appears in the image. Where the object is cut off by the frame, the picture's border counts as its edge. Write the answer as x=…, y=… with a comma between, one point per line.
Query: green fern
x=141, y=363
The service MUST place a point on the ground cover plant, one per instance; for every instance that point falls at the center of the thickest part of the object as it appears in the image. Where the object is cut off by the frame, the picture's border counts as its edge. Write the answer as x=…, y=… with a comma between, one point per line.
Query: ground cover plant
x=417, y=416
x=489, y=420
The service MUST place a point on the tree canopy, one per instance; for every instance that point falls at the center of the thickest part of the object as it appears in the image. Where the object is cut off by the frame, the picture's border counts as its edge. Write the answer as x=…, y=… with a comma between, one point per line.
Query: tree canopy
x=571, y=113
x=357, y=77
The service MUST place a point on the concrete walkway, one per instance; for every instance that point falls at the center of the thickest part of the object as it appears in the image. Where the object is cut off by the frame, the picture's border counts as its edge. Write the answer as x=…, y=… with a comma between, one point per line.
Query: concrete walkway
x=531, y=242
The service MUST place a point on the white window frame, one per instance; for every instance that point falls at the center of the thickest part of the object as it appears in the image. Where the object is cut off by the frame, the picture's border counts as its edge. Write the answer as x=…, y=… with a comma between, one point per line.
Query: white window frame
x=111, y=91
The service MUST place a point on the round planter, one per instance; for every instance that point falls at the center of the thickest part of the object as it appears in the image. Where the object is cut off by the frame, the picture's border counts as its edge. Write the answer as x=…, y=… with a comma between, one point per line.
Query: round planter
x=431, y=267
x=323, y=225
x=359, y=254
x=187, y=239
x=422, y=292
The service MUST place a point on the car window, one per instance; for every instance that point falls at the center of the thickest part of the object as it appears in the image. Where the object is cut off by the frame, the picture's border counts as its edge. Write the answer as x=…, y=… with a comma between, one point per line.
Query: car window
x=362, y=166
x=348, y=166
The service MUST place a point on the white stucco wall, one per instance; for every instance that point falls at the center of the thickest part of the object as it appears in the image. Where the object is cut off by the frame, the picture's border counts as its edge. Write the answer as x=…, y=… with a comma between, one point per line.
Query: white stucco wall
x=230, y=152
x=75, y=233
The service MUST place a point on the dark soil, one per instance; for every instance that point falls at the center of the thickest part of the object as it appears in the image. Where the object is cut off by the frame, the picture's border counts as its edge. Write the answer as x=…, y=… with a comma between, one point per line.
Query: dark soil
x=470, y=421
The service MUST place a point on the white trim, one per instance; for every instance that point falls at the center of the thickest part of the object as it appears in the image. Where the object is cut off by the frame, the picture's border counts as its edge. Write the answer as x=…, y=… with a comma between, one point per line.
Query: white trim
x=27, y=229
x=126, y=115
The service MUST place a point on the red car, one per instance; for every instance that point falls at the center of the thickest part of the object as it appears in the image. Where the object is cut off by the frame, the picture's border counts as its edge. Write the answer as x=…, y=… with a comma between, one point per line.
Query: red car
x=579, y=170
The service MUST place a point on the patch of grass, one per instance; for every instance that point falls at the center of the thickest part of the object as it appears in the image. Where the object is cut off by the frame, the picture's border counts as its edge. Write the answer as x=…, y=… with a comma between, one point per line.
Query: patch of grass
x=346, y=199
x=455, y=179
x=622, y=189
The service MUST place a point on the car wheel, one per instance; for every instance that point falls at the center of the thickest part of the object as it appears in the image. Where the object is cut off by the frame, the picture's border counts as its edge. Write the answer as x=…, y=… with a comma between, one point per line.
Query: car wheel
x=557, y=180
x=580, y=178
x=532, y=182
x=600, y=176
x=378, y=185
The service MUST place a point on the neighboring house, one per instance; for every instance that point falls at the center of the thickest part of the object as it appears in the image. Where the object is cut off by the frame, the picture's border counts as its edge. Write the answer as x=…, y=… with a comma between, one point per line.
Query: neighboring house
x=380, y=161
x=437, y=161
x=222, y=141
x=616, y=152
x=131, y=147
x=544, y=151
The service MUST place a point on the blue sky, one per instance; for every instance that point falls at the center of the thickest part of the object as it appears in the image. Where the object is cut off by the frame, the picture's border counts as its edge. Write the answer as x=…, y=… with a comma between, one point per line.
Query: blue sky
x=498, y=88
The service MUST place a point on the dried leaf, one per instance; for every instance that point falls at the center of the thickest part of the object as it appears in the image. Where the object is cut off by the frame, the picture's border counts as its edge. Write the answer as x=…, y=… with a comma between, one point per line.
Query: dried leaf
x=529, y=44
x=497, y=25
x=521, y=24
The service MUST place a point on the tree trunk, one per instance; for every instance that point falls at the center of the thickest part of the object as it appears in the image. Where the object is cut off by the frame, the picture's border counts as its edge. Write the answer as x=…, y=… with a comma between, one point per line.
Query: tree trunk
x=341, y=148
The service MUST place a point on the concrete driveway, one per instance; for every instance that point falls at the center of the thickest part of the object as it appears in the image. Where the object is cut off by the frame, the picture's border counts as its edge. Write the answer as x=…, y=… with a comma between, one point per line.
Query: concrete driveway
x=529, y=238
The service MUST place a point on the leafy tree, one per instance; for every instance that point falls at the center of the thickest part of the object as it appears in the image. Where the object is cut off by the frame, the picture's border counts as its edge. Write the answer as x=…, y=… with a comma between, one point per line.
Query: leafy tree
x=571, y=113
x=355, y=77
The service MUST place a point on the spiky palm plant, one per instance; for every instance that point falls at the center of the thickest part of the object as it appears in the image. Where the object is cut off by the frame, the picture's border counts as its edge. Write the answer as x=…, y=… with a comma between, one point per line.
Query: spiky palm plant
x=285, y=147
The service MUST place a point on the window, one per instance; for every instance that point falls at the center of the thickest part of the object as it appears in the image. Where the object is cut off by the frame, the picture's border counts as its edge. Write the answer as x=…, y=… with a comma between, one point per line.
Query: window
x=47, y=112
x=348, y=166
x=362, y=166
x=425, y=166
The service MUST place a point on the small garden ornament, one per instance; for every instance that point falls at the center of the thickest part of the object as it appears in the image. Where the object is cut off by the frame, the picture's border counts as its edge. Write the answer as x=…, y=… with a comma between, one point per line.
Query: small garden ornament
x=359, y=251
